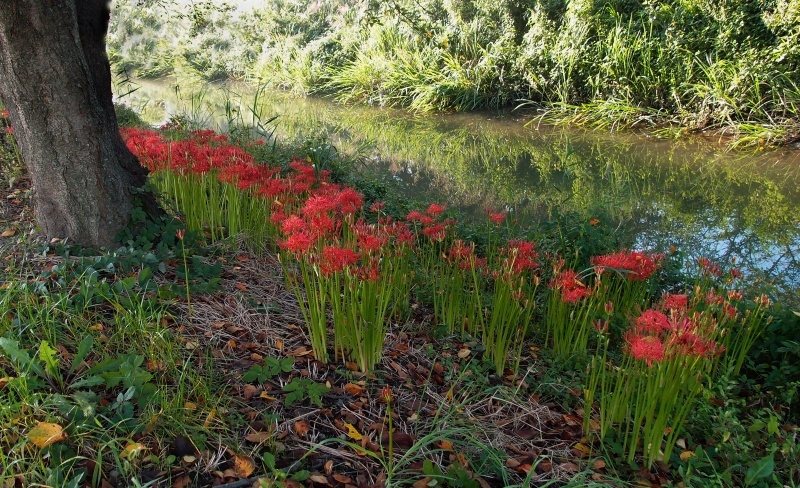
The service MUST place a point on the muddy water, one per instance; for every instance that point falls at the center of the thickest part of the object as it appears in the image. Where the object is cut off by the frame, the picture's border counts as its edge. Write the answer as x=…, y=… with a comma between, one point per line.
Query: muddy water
x=693, y=195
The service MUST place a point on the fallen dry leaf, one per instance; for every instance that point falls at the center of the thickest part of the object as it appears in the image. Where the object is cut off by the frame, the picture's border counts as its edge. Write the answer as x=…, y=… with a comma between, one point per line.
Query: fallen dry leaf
x=352, y=432
x=182, y=482
x=243, y=465
x=570, y=467
x=46, y=433
x=686, y=455
x=598, y=464
x=8, y=232
x=463, y=353
x=132, y=449
x=249, y=391
x=258, y=437
x=423, y=483
x=301, y=428
x=353, y=389
x=4, y=381
x=342, y=478
x=318, y=478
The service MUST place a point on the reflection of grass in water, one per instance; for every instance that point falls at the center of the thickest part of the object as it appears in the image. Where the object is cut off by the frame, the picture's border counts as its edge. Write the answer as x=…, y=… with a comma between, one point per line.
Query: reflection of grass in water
x=485, y=162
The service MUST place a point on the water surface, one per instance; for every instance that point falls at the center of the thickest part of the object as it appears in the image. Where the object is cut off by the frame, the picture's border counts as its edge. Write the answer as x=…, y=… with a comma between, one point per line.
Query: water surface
x=693, y=195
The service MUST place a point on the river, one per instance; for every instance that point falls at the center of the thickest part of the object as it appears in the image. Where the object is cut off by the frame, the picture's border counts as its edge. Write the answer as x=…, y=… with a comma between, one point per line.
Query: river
x=690, y=195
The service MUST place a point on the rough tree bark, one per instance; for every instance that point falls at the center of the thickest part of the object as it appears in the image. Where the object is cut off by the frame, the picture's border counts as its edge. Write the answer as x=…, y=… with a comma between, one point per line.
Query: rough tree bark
x=55, y=81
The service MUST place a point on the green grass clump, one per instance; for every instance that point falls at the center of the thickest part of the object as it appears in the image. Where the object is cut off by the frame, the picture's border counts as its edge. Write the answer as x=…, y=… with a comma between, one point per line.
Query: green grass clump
x=696, y=64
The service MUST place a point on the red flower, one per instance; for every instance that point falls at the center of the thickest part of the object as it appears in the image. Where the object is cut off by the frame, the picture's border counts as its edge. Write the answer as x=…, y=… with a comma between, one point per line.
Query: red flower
x=377, y=206
x=10, y=130
x=4, y=114
x=675, y=303
x=434, y=210
x=293, y=224
x=349, y=201
x=318, y=205
x=636, y=266
x=572, y=289
x=708, y=267
x=497, y=218
x=298, y=243
x=414, y=216
x=370, y=243
x=436, y=232
x=645, y=347
x=336, y=259
x=652, y=322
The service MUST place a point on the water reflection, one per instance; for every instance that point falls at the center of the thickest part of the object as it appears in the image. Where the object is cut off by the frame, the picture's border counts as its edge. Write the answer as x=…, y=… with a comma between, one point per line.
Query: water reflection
x=691, y=195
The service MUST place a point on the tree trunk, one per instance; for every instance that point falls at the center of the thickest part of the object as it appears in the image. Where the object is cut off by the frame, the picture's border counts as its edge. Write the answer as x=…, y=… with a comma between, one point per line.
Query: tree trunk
x=55, y=81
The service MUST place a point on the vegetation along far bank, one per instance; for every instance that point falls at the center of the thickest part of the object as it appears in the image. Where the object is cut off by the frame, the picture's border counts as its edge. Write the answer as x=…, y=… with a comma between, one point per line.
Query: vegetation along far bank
x=670, y=67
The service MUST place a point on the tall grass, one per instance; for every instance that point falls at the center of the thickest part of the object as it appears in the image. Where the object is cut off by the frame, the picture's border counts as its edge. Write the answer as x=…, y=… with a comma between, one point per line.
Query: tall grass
x=695, y=63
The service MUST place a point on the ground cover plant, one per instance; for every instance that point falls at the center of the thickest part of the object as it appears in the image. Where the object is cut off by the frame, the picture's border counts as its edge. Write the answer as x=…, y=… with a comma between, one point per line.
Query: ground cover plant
x=672, y=67
x=313, y=346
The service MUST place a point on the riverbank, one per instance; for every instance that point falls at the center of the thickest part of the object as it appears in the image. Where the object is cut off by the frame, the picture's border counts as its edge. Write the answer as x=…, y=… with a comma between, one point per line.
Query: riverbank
x=188, y=364
x=669, y=68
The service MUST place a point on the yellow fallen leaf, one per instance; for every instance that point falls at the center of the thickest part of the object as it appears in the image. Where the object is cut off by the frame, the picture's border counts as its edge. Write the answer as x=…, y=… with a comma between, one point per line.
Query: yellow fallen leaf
x=132, y=450
x=210, y=417
x=352, y=432
x=266, y=397
x=583, y=448
x=46, y=433
x=686, y=455
x=243, y=466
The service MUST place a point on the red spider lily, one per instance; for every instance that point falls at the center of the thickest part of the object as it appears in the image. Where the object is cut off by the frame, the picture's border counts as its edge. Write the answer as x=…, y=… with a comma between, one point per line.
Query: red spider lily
x=644, y=347
x=601, y=326
x=4, y=114
x=10, y=130
x=386, y=394
x=293, y=224
x=414, y=216
x=434, y=210
x=377, y=206
x=318, y=205
x=652, y=322
x=337, y=259
x=277, y=217
x=298, y=242
x=435, y=232
x=180, y=234
x=273, y=188
x=675, y=303
x=349, y=201
x=496, y=218
x=637, y=266
x=368, y=272
x=370, y=243
x=572, y=289
x=708, y=267
x=735, y=295
x=689, y=344
x=711, y=298
x=323, y=225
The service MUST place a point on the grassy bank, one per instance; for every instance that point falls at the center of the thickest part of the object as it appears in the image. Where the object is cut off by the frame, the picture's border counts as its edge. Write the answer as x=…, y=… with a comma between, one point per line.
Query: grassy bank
x=671, y=67
x=187, y=356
